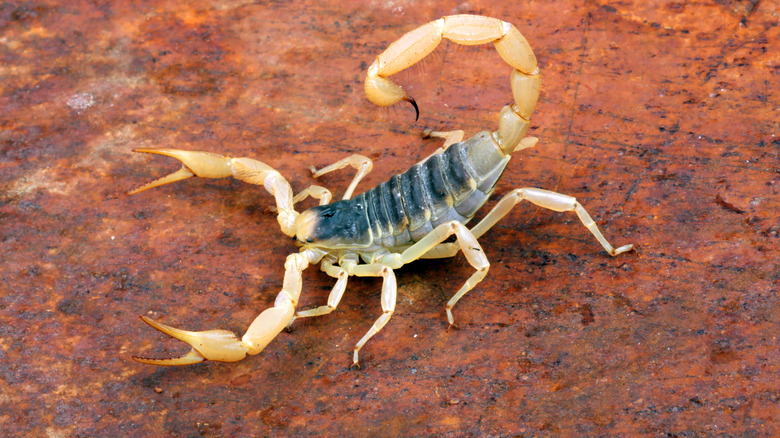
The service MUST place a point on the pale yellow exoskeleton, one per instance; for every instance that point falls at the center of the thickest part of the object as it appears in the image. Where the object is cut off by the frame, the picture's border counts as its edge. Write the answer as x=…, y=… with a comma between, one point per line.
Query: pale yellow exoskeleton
x=409, y=217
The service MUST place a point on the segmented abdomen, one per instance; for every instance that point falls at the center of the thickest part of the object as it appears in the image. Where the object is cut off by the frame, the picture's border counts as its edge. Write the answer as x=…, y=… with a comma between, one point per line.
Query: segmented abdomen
x=452, y=185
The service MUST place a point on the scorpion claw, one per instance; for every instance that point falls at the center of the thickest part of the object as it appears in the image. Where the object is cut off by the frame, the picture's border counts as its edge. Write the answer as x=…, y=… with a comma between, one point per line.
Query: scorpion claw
x=192, y=357
x=217, y=345
x=194, y=163
x=179, y=175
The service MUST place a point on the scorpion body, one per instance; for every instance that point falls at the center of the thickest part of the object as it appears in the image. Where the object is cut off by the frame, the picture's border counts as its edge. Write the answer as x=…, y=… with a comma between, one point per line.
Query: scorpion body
x=450, y=186
x=409, y=217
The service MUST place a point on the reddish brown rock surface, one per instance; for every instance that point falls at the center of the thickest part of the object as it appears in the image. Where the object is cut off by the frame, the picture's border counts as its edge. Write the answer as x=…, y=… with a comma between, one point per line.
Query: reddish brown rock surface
x=661, y=117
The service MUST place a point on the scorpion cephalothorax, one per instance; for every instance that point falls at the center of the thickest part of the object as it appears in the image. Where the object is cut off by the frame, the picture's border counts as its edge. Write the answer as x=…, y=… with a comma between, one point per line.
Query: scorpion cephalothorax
x=409, y=217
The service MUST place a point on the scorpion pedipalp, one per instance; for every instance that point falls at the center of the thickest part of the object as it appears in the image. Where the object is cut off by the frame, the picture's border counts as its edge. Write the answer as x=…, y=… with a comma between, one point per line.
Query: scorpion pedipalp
x=218, y=345
x=224, y=345
x=194, y=163
x=211, y=165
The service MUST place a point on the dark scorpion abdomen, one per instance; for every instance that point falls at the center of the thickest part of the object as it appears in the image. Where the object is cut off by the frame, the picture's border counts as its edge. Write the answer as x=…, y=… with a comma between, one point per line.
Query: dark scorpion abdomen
x=449, y=186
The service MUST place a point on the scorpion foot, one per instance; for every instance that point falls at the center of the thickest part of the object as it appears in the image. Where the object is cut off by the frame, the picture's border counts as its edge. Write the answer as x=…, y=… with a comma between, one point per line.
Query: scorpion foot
x=217, y=345
x=621, y=250
x=355, y=361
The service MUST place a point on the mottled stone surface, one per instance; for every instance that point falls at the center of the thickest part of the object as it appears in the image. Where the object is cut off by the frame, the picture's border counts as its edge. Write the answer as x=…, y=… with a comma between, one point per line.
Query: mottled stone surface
x=661, y=117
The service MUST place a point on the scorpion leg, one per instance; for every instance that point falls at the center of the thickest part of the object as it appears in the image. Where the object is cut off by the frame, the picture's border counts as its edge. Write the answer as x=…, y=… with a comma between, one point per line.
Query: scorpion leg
x=210, y=165
x=552, y=201
x=320, y=193
x=450, y=138
x=336, y=293
x=467, y=243
x=389, y=290
x=361, y=163
x=224, y=345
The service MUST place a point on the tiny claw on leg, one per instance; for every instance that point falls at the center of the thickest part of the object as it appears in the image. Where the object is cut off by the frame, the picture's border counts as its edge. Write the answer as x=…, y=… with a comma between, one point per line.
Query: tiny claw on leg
x=451, y=319
x=355, y=362
x=622, y=249
x=217, y=345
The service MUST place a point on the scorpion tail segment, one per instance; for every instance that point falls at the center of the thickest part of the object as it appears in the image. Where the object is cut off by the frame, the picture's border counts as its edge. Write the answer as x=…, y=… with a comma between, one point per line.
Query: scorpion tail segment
x=202, y=164
x=514, y=120
x=403, y=53
x=416, y=108
x=218, y=345
x=466, y=30
x=384, y=92
x=380, y=90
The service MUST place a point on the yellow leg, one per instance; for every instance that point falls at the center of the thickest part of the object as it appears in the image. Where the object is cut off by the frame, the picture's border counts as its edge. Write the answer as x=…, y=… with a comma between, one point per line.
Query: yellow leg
x=431, y=245
x=320, y=193
x=450, y=138
x=362, y=164
x=389, y=291
x=341, y=275
x=552, y=201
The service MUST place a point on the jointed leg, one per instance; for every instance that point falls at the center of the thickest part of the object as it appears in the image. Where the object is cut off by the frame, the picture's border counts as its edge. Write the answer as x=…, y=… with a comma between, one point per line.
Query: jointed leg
x=450, y=138
x=466, y=242
x=317, y=192
x=336, y=293
x=389, y=290
x=362, y=164
x=442, y=251
x=550, y=200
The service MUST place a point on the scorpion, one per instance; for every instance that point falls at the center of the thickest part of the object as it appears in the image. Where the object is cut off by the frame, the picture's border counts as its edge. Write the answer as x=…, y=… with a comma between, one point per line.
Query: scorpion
x=411, y=216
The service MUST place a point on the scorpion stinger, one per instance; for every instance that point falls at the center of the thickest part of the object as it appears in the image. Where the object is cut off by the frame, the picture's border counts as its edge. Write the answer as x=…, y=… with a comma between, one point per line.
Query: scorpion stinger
x=411, y=216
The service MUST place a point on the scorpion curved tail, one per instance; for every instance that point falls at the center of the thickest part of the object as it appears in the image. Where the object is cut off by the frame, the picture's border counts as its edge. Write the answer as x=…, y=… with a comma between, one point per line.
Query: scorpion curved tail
x=525, y=80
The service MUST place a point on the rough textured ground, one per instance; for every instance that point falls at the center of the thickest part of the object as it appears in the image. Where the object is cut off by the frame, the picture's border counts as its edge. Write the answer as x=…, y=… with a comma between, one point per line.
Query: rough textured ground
x=661, y=117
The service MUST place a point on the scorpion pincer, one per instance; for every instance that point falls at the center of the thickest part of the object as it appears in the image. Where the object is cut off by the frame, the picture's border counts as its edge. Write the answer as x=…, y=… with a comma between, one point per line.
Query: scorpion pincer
x=409, y=217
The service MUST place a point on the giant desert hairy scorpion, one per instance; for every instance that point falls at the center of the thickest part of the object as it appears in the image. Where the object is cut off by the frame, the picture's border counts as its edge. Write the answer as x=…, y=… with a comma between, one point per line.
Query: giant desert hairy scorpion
x=409, y=217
